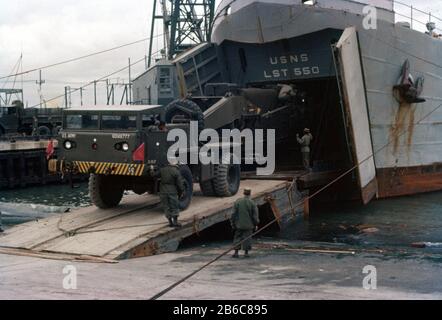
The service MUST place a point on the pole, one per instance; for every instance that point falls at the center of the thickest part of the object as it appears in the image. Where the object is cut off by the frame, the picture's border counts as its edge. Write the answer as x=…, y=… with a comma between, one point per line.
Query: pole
x=95, y=92
x=66, y=97
x=107, y=91
x=113, y=94
x=70, y=97
x=40, y=82
x=81, y=96
x=129, y=95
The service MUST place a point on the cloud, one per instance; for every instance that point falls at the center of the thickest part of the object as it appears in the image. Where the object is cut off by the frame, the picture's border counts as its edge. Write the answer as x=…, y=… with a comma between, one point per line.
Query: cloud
x=49, y=31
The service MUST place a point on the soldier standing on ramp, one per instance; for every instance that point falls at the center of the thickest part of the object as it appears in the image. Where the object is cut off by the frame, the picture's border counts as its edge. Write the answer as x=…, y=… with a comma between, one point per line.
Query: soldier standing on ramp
x=171, y=189
x=244, y=221
x=305, y=142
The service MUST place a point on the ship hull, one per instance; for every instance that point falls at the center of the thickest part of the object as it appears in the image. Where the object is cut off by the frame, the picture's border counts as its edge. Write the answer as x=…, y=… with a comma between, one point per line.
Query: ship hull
x=406, y=138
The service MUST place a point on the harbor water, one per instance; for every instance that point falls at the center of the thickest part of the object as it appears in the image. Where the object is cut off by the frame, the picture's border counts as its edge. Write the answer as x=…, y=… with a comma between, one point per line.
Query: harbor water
x=395, y=222
x=22, y=205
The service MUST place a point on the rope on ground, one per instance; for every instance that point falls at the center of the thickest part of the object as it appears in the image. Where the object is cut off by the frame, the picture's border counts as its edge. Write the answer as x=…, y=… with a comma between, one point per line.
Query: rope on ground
x=177, y=283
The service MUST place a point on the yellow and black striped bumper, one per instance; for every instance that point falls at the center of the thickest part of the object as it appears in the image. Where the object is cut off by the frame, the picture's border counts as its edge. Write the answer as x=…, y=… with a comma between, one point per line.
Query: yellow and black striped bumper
x=117, y=169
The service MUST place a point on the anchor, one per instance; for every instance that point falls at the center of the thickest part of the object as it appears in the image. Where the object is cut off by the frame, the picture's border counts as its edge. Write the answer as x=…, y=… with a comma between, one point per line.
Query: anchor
x=408, y=90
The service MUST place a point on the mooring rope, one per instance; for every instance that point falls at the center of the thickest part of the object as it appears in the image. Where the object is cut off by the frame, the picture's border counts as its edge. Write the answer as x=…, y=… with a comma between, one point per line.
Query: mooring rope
x=182, y=280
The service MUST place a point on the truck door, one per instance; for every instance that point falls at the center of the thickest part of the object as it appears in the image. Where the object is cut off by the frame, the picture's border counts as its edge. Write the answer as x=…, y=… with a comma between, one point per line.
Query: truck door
x=356, y=109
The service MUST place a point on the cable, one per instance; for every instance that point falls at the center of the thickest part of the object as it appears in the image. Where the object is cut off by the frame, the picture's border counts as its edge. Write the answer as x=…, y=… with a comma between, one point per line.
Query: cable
x=176, y=284
x=92, y=82
x=78, y=58
x=16, y=66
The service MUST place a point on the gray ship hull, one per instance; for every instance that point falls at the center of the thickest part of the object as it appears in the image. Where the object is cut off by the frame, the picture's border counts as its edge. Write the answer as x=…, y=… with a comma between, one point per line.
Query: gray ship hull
x=412, y=161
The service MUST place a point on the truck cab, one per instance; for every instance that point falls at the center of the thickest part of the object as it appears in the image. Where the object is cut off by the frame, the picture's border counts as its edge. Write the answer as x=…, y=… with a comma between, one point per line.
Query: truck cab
x=123, y=148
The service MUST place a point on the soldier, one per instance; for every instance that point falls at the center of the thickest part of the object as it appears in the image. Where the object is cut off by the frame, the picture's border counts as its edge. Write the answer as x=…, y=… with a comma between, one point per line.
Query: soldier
x=244, y=221
x=305, y=142
x=171, y=189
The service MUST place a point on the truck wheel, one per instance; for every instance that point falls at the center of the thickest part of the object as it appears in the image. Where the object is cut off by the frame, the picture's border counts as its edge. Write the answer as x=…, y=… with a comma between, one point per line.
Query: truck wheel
x=186, y=198
x=187, y=109
x=227, y=179
x=207, y=188
x=103, y=192
x=43, y=131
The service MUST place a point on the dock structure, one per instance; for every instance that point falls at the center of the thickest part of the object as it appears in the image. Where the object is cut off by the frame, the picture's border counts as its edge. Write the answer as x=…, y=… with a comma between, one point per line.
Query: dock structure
x=138, y=228
x=23, y=163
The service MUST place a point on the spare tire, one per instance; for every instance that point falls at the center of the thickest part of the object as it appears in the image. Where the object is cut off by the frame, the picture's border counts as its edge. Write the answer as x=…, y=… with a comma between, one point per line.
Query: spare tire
x=186, y=197
x=187, y=109
x=43, y=131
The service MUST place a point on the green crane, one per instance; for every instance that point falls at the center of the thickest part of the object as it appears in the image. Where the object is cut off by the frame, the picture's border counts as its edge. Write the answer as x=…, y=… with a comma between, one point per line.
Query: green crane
x=186, y=23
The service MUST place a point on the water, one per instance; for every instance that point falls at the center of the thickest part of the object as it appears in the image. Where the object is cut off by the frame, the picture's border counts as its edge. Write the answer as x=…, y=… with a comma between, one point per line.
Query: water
x=53, y=195
x=391, y=222
x=22, y=205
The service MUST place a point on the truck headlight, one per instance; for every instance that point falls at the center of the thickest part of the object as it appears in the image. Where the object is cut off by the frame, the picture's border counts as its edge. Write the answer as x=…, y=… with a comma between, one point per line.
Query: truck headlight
x=68, y=145
x=125, y=147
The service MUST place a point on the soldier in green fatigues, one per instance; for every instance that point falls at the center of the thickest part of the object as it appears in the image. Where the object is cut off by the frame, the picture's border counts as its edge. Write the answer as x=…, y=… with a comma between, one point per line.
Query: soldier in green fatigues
x=305, y=142
x=244, y=221
x=171, y=188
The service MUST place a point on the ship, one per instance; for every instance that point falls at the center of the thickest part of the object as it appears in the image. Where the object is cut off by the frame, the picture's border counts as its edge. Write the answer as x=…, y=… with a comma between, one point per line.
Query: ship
x=388, y=76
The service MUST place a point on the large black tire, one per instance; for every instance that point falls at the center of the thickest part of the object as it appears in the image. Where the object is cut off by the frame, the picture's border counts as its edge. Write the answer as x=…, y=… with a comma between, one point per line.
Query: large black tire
x=186, y=197
x=227, y=179
x=187, y=109
x=103, y=191
x=207, y=188
x=43, y=131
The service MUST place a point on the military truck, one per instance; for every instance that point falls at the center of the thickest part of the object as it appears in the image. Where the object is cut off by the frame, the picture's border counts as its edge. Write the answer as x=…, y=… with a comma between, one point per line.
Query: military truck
x=15, y=119
x=124, y=147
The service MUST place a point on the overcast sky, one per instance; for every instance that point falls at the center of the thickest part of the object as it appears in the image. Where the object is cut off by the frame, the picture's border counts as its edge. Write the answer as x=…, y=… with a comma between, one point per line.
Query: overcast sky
x=48, y=31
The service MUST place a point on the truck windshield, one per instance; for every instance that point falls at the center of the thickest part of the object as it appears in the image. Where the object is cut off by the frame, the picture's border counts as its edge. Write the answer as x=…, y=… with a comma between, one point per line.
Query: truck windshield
x=82, y=122
x=119, y=122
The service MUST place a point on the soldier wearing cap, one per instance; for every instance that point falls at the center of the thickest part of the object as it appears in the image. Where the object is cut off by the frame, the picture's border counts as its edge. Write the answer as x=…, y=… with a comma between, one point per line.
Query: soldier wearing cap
x=305, y=142
x=244, y=221
x=171, y=189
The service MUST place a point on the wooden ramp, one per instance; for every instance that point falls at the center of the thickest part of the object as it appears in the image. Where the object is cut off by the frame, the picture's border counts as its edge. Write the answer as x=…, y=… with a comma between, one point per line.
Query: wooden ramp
x=137, y=228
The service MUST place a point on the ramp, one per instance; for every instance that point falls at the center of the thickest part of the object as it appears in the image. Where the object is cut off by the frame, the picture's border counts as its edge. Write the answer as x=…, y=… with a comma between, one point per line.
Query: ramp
x=355, y=101
x=135, y=229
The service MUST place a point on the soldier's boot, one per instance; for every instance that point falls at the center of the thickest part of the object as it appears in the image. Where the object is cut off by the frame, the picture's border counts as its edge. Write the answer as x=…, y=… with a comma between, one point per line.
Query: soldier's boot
x=175, y=223
x=246, y=254
x=170, y=222
x=236, y=254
